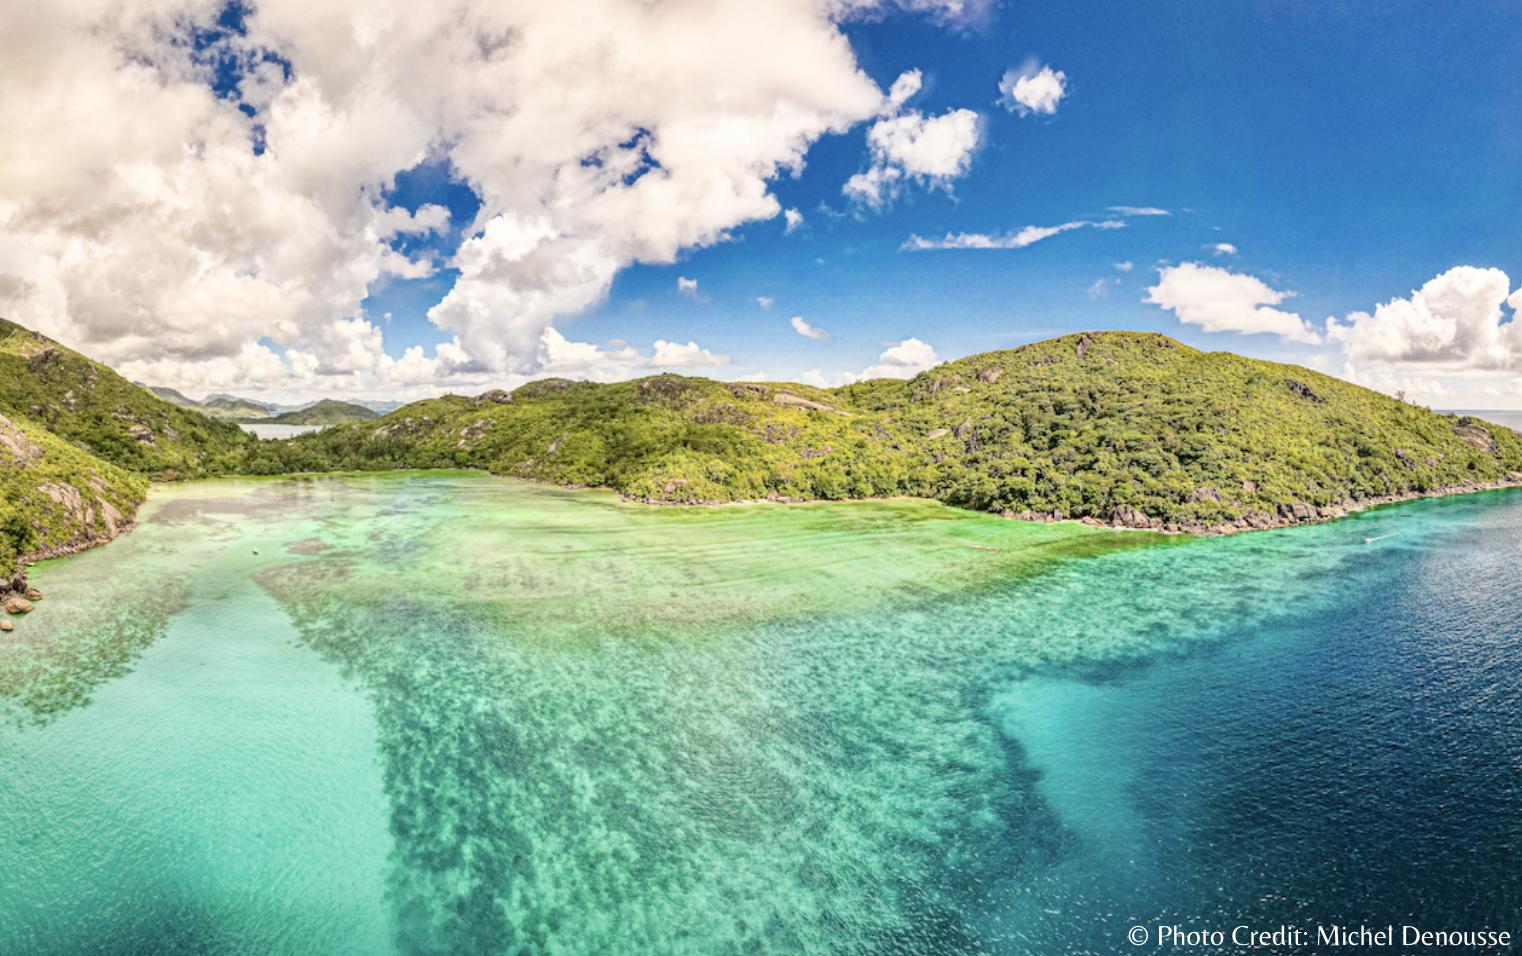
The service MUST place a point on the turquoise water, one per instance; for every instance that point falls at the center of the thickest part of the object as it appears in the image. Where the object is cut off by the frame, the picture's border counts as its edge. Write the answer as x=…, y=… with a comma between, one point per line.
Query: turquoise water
x=453, y=714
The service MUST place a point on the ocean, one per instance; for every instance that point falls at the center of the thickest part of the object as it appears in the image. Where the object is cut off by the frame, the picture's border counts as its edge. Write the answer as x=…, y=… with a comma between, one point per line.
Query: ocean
x=445, y=713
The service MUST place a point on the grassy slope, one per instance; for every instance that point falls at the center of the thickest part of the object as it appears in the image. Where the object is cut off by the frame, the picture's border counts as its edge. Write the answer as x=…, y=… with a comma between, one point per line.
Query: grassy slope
x=79, y=444
x=1139, y=421
x=102, y=413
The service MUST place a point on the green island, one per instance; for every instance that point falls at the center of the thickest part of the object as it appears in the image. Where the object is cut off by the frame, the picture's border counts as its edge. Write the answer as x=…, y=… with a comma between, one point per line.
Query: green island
x=325, y=412
x=1123, y=429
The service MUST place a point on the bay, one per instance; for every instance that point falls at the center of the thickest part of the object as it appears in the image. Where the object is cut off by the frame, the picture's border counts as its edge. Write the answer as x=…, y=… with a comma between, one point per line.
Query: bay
x=447, y=713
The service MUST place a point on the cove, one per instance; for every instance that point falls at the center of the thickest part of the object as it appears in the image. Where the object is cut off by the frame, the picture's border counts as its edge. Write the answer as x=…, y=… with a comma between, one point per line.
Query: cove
x=445, y=713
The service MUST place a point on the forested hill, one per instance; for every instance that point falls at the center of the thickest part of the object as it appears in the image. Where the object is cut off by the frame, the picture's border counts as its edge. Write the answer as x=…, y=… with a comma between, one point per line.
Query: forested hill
x=78, y=444
x=1121, y=426
x=325, y=412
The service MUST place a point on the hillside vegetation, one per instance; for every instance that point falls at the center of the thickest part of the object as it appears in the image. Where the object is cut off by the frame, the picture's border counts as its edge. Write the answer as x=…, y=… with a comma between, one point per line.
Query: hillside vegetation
x=1124, y=426
x=102, y=413
x=79, y=444
x=1120, y=427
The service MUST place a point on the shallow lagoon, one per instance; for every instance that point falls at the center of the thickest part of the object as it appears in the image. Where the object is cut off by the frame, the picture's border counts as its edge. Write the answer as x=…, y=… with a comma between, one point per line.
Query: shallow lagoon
x=446, y=713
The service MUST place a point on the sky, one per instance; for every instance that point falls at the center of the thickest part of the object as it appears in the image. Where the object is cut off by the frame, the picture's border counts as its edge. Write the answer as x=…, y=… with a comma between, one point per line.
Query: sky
x=288, y=199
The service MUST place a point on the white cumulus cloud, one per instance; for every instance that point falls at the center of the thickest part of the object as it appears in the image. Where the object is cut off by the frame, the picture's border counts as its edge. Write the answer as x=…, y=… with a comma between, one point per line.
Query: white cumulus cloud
x=1221, y=301
x=913, y=148
x=1029, y=90
x=1454, y=322
x=1225, y=249
x=904, y=360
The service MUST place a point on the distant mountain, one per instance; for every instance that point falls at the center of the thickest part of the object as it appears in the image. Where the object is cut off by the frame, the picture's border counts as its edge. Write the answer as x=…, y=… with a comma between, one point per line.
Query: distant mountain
x=224, y=408
x=375, y=405
x=325, y=412
x=228, y=408
x=171, y=396
x=232, y=407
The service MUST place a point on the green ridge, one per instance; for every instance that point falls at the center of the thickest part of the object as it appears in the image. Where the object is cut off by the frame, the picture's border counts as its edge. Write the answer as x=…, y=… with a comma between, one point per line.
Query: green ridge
x=326, y=412
x=1082, y=425
x=1110, y=425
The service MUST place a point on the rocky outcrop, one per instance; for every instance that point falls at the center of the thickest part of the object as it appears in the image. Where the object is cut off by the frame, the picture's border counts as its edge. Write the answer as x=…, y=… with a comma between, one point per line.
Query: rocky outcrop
x=474, y=432
x=44, y=359
x=407, y=426
x=1304, y=391
x=14, y=441
x=1473, y=433
x=496, y=396
x=783, y=398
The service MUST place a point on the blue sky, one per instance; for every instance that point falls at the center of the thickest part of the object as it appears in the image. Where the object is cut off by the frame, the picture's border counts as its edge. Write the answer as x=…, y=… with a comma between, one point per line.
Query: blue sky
x=611, y=195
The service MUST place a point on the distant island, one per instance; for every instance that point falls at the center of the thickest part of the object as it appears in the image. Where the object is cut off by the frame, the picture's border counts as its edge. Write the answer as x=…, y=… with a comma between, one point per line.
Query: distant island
x=1116, y=428
x=325, y=412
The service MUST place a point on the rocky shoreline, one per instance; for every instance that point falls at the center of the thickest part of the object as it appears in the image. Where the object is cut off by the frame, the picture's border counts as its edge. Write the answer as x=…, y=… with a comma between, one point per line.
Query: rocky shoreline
x=16, y=596
x=1290, y=514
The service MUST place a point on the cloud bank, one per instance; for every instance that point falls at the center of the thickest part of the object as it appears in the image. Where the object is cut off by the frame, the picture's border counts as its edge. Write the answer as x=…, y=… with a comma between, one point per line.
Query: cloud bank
x=166, y=221
x=912, y=148
x=1453, y=323
x=803, y=328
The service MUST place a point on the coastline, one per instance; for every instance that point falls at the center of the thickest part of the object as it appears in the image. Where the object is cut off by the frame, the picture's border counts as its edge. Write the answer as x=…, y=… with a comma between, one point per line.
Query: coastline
x=1124, y=518
x=1121, y=518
